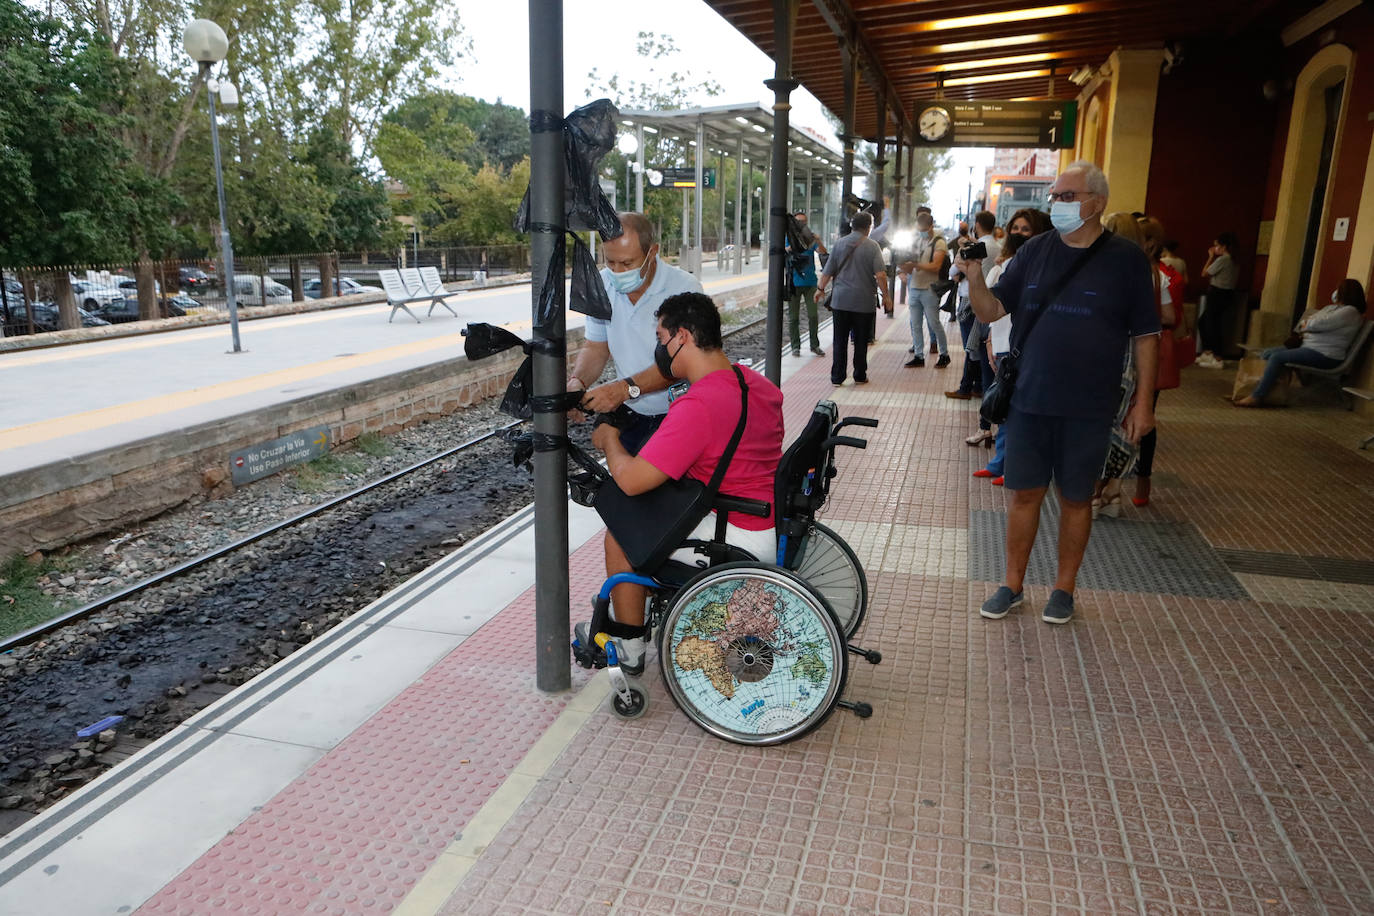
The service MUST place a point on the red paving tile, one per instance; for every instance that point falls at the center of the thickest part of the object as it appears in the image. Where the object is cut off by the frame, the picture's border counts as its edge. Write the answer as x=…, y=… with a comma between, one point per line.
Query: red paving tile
x=1163, y=754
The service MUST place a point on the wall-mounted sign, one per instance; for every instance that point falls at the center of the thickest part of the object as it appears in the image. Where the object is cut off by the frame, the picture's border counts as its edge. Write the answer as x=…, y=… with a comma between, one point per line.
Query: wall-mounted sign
x=1002, y=124
x=679, y=178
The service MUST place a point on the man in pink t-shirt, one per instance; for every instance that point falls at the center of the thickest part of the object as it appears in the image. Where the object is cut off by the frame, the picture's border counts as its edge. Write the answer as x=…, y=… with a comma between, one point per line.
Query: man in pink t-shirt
x=691, y=441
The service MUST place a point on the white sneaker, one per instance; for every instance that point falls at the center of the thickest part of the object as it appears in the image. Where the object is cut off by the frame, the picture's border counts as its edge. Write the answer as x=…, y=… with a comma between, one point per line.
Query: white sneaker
x=630, y=650
x=631, y=653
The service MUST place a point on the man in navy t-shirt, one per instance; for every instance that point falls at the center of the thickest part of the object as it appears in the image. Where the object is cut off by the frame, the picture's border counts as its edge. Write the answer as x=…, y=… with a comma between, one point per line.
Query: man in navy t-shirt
x=1068, y=384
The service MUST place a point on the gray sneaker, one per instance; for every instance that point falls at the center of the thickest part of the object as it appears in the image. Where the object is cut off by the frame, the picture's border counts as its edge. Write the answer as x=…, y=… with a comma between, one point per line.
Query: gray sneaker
x=1059, y=609
x=1002, y=601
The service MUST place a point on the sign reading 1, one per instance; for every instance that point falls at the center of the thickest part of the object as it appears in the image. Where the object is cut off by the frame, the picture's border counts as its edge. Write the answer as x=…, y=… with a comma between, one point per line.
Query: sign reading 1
x=1027, y=125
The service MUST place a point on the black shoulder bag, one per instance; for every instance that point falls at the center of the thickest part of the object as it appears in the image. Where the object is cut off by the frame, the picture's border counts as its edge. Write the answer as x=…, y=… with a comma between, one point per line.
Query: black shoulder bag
x=650, y=526
x=997, y=399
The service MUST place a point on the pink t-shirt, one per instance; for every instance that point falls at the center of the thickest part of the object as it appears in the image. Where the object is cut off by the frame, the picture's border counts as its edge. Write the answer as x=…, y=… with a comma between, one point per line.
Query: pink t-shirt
x=697, y=430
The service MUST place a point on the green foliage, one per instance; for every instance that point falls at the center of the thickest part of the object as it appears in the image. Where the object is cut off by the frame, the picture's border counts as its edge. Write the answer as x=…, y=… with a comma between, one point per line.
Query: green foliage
x=373, y=444
x=483, y=206
x=22, y=601
x=463, y=165
x=69, y=190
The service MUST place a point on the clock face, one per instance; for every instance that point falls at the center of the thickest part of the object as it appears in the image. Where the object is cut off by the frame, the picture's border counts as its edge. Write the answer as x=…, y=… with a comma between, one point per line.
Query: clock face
x=934, y=123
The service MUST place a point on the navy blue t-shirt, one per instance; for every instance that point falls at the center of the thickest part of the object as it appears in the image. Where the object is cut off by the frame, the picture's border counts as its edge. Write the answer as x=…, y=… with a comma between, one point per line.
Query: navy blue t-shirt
x=1071, y=364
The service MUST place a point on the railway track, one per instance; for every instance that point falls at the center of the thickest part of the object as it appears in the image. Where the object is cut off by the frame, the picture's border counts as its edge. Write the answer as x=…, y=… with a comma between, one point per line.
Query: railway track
x=156, y=651
x=36, y=633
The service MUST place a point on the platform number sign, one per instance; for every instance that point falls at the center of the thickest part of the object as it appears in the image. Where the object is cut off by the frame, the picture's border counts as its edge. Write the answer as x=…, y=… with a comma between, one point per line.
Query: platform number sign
x=1005, y=124
x=664, y=177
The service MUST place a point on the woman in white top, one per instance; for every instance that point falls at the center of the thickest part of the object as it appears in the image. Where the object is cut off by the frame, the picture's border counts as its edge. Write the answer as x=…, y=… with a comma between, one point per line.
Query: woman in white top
x=1326, y=335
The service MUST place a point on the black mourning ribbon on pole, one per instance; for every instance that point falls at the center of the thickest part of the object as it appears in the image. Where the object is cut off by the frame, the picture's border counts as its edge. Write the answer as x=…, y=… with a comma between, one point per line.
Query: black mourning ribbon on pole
x=590, y=133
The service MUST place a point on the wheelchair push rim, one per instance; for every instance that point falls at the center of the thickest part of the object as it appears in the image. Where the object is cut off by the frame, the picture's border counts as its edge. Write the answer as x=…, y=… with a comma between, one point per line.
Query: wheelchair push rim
x=829, y=565
x=753, y=654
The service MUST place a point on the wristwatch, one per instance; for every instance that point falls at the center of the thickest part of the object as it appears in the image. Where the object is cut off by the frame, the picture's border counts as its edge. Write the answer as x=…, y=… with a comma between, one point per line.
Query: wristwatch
x=631, y=387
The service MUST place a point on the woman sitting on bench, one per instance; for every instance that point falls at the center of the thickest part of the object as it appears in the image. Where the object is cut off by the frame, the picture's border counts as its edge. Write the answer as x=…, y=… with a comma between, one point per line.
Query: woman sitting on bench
x=694, y=435
x=1321, y=340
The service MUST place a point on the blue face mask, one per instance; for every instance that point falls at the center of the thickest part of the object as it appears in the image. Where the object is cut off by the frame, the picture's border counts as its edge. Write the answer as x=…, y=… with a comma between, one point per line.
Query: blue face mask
x=1066, y=217
x=627, y=281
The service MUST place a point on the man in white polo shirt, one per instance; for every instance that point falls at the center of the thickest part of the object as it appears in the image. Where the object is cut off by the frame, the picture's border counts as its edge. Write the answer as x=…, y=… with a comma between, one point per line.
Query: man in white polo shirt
x=637, y=281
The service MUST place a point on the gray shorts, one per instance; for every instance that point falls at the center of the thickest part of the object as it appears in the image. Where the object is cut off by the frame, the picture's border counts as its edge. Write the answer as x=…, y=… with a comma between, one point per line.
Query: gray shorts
x=1067, y=450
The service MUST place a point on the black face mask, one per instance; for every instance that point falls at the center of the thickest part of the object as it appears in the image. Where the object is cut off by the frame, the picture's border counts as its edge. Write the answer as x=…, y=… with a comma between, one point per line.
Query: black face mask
x=664, y=361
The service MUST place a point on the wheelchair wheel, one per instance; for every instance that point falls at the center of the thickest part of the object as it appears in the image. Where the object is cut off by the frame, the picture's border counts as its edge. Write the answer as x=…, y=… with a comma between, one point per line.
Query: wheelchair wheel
x=753, y=654
x=831, y=567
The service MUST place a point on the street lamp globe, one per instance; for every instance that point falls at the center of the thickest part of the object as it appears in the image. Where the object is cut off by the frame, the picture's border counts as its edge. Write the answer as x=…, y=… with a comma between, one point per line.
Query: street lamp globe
x=628, y=144
x=205, y=41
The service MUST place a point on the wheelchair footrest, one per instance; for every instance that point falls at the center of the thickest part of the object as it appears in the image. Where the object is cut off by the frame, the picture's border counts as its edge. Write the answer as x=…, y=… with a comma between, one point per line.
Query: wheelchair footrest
x=588, y=656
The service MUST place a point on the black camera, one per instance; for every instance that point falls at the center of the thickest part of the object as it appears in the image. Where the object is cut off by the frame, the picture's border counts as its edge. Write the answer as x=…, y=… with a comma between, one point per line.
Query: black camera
x=975, y=252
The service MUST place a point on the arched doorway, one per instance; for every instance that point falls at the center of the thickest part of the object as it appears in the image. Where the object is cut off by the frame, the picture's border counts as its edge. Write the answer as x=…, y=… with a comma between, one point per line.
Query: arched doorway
x=1314, y=138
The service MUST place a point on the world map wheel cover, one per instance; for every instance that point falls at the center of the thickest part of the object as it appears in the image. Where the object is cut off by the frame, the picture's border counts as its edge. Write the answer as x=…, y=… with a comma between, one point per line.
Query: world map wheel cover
x=722, y=622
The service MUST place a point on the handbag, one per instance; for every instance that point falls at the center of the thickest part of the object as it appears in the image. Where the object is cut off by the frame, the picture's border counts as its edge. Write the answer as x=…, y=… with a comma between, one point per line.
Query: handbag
x=997, y=398
x=1185, y=350
x=649, y=527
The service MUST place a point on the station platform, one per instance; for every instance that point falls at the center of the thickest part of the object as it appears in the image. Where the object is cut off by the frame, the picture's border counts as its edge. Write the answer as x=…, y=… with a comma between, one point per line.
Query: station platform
x=103, y=394
x=1196, y=740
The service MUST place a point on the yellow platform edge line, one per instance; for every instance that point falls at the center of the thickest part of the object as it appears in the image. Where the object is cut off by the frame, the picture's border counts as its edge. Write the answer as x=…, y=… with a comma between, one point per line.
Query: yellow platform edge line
x=448, y=871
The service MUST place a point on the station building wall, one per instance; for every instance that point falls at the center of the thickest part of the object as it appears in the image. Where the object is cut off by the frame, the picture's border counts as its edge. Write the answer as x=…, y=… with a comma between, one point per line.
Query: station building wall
x=1213, y=143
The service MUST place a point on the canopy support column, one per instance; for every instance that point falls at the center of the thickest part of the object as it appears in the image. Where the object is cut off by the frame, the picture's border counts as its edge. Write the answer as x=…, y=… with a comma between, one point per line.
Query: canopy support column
x=782, y=84
x=850, y=62
x=553, y=665
x=700, y=191
x=741, y=240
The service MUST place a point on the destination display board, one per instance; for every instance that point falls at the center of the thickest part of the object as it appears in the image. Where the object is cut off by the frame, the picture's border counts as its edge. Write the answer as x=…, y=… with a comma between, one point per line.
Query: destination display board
x=661, y=177
x=1049, y=124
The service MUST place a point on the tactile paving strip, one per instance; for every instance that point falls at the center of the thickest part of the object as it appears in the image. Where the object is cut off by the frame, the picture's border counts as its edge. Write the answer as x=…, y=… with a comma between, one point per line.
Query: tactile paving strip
x=1167, y=558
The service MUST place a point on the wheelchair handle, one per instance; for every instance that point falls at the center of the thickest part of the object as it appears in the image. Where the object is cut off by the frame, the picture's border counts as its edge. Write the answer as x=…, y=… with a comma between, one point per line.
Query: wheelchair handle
x=851, y=441
x=855, y=421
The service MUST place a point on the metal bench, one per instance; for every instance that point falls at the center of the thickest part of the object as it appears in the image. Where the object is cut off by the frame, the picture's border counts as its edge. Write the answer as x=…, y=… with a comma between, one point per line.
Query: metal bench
x=1339, y=373
x=397, y=295
x=424, y=283
x=1363, y=394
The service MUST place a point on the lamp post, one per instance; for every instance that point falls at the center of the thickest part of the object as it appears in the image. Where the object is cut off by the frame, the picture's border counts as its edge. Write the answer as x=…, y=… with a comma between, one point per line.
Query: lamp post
x=208, y=45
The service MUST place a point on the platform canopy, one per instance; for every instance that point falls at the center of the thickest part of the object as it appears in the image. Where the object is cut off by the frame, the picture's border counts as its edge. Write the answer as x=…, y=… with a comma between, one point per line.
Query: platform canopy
x=726, y=125
x=919, y=50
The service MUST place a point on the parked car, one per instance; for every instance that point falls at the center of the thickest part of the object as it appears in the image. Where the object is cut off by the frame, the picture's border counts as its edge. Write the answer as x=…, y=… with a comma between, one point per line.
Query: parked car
x=193, y=278
x=92, y=296
x=185, y=303
x=347, y=287
x=129, y=287
x=45, y=318
x=126, y=309
x=250, y=290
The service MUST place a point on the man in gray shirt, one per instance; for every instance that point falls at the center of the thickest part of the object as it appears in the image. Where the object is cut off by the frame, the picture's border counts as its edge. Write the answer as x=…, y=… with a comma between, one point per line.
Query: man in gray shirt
x=856, y=268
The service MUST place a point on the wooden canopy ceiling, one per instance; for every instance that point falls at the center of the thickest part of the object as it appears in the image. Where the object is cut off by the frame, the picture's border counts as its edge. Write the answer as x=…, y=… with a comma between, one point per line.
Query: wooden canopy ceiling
x=977, y=49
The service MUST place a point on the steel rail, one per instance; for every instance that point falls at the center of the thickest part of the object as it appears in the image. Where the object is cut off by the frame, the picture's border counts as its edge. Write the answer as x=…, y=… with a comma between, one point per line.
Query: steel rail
x=86, y=610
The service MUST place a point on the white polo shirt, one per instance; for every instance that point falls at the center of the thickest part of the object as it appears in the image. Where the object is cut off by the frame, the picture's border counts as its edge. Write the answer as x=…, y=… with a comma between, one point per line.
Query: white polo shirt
x=632, y=331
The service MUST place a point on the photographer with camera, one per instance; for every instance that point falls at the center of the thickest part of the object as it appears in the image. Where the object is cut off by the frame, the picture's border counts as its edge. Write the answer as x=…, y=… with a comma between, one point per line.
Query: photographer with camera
x=922, y=272
x=985, y=250
x=1077, y=296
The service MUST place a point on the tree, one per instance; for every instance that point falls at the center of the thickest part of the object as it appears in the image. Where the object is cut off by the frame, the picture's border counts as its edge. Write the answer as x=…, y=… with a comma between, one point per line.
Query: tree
x=665, y=89
x=68, y=193
x=372, y=52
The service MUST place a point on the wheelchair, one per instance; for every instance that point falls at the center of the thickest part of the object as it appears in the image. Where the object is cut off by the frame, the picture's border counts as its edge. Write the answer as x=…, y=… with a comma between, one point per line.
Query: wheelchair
x=753, y=650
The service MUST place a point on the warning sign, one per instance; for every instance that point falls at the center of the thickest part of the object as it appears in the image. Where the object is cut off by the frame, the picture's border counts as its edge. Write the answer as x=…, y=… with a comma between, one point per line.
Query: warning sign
x=268, y=458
